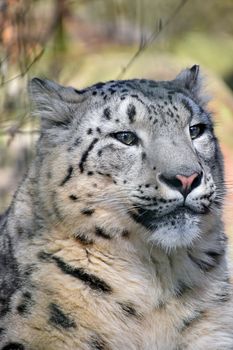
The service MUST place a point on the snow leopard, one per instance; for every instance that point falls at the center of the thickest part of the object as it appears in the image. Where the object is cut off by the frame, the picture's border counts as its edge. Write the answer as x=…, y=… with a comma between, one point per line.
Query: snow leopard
x=114, y=239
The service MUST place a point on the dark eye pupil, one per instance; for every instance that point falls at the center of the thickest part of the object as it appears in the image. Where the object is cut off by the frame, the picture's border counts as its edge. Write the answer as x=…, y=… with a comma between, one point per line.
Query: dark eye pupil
x=196, y=130
x=128, y=138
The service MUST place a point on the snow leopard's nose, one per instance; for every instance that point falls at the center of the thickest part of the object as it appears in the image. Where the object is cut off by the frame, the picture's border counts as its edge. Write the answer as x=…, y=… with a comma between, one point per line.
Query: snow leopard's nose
x=184, y=184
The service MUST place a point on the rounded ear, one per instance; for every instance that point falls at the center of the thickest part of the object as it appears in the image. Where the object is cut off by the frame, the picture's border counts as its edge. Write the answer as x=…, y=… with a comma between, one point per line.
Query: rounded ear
x=52, y=102
x=190, y=79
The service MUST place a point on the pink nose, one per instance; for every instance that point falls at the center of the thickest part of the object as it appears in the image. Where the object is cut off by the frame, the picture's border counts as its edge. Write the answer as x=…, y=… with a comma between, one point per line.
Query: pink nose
x=187, y=181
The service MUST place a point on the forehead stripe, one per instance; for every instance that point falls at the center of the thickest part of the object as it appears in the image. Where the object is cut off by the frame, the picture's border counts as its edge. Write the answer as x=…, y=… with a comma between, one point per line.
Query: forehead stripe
x=131, y=111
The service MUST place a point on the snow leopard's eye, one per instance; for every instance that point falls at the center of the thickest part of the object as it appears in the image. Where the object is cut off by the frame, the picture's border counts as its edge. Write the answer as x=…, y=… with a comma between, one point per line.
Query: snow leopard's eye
x=196, y=130
x=126, y=137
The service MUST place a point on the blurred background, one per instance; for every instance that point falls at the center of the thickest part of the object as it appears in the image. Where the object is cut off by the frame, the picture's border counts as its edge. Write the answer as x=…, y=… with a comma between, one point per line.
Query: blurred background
x=81, y=42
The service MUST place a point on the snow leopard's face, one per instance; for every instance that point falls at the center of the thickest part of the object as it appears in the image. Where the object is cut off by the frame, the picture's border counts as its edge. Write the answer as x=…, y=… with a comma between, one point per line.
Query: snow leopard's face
x=143, y=151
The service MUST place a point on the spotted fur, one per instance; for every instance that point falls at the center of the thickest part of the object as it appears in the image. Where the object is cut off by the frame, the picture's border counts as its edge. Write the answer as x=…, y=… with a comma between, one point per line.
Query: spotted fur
x=102, y=248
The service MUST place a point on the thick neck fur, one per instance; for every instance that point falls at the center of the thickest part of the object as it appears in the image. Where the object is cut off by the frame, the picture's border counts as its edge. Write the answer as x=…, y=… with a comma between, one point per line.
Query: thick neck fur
x=151, y=296
x=174, y=272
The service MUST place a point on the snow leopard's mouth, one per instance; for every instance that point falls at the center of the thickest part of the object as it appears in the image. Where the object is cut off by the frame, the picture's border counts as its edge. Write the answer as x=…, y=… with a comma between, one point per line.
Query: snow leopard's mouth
x=151, y=220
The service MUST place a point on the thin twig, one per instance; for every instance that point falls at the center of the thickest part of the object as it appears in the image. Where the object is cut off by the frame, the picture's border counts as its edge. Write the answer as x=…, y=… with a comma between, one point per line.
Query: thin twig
x=23, y=132
x=22, y=74
x=3, y=59
x=144, y=44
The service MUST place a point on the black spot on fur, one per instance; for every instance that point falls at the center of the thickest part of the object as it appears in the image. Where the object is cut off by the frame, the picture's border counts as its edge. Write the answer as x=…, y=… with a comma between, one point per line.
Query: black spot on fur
x=13, y=346
x=125, y=233
x=190, y=321
x=145, y=217
x=90, y=173
x=89, y=131
x=99, y=85
x=97, y=343
x=85, y=155
x=82, y=238
x=87, y=211
x=170, y=98
x=128, y=309
x=142, y=102
x=43, y=256
x=107, y=113
x=94, y=282
x=59, y=319
x=77, y=142
x=101, y=233
x=170, y=113
x=143, y=155
x=223, y=296
x=204, y=265
x=131, y=112
x=73, y=197
x=68, y=175
x=94, y=93
x=26, y=303
x=20, y=230
x=215, y=256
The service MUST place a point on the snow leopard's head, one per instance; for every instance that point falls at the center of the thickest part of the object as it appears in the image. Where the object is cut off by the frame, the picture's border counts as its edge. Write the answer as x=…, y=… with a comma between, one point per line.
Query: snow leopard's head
x=138, y=152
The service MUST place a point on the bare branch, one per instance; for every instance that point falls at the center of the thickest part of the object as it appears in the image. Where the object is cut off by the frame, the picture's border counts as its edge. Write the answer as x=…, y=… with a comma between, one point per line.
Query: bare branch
x=12, y=131
x=22, y=74
x=144, y=44
x=21, y=132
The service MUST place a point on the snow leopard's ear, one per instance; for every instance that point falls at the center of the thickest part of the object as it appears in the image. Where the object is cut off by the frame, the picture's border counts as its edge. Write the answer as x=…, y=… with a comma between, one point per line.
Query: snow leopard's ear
x=53, y=103
x=190, y=79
